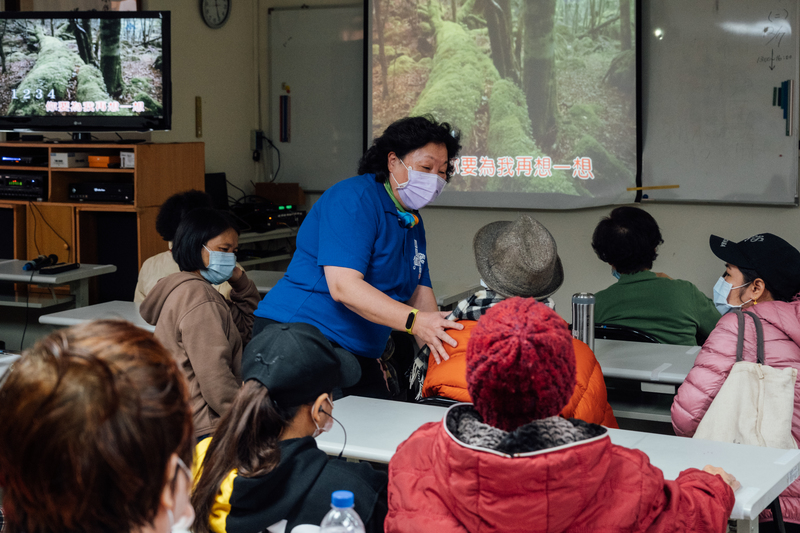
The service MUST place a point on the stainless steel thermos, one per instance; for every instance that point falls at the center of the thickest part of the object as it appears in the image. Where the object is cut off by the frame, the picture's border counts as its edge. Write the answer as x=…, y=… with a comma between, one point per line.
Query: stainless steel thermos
x=583, y=317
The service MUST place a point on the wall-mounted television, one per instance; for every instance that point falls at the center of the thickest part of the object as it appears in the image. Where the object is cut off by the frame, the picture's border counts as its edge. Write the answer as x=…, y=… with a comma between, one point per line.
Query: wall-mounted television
x=82, y=71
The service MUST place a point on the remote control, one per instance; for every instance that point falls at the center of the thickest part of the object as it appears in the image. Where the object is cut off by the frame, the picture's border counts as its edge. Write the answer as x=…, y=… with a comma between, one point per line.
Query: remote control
x=58, y=268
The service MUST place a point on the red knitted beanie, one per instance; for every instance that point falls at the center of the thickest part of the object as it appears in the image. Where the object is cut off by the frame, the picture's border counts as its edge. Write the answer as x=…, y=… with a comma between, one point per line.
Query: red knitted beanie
x=520, y=363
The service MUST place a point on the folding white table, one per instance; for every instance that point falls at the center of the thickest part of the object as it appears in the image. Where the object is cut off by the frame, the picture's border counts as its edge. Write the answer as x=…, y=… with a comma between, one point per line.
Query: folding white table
x=77, y=280
x=376, y=427
x=115, y=309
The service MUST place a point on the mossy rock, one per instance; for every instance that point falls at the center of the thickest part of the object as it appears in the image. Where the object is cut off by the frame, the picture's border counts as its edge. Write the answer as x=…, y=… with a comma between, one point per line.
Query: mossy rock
x=140, y=84
x=388, y=51
x=158, y=63
x=457, y=80
x=401, y=66
x=425, y=28
x=55, y=65
x=425, y=62
x=605, y=166
x=150, y=105
x=19, y=56
x=584, y=116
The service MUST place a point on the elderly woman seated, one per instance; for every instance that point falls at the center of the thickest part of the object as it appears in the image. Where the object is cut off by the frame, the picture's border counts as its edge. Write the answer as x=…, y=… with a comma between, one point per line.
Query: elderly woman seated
x=673, y=311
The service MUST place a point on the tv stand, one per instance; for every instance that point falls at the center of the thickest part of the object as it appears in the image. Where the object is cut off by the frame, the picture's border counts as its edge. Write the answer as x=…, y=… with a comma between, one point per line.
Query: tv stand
x=82, y=137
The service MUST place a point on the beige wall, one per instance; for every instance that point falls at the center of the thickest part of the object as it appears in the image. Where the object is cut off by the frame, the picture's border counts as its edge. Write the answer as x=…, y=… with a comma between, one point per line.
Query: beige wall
x=218, y=66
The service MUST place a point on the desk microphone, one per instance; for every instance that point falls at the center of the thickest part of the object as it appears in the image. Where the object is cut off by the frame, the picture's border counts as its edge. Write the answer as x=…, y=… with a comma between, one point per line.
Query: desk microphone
x=41, y=261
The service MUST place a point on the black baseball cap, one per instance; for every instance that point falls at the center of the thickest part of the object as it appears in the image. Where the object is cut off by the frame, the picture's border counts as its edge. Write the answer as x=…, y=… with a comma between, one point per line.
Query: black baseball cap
x=296, y=363
x=776, y=261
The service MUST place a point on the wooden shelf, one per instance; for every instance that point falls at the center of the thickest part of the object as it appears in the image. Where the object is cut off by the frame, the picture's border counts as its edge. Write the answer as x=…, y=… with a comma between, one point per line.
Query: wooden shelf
x=17, y=167
x=94, y=169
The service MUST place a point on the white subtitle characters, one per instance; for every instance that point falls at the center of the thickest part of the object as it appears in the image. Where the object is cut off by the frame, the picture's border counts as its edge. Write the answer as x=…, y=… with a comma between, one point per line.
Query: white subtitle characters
x=521, y=165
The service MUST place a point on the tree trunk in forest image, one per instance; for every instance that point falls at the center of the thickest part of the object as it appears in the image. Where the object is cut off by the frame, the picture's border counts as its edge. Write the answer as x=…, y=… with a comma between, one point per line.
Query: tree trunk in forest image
x=539, y=69
x=381, y=49
x=498, y=22
x=625, y=24
x=2, y=50
x=110, y=61
x=83, y=37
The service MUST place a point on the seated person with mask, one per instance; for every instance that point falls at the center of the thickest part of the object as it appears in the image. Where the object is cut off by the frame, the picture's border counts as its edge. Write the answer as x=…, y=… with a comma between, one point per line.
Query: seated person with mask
x=514, y=259
x=262, y=469
x=509, y=463
x=673, y=311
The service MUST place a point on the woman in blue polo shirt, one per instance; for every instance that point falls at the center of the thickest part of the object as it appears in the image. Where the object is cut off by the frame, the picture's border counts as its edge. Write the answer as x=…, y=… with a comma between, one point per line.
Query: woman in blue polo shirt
x=361, y=266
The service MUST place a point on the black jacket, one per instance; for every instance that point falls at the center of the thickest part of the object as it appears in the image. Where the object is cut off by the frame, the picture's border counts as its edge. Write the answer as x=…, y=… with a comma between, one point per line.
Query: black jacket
x=299, y=490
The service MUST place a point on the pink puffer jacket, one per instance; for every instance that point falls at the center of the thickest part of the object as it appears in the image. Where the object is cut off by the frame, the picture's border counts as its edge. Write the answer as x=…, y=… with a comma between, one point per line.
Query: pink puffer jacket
x=781, y=321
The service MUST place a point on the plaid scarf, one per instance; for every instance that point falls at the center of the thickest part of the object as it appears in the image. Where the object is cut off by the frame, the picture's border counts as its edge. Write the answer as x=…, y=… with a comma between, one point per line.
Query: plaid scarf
x=473, y=308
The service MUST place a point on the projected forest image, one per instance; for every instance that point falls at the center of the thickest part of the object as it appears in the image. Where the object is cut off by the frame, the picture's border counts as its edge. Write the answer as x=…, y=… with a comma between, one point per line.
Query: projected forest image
x=78, y=67
x=543, y=91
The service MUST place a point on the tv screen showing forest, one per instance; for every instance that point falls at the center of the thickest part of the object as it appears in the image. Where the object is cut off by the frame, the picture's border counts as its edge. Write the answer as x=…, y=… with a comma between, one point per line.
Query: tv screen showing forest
x=543, y=92
x=89, y=65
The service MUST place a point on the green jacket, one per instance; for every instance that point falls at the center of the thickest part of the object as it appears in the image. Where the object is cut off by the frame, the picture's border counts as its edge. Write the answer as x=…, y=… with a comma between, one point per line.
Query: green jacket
x=673, y=311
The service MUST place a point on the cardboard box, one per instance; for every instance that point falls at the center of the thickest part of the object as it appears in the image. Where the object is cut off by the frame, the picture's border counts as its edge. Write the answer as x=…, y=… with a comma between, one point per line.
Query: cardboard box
x=126, y=160
x=68, y=160
x=104, y=161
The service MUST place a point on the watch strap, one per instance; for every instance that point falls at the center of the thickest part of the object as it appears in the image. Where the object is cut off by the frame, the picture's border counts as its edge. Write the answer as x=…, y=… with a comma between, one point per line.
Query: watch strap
x=412, y=318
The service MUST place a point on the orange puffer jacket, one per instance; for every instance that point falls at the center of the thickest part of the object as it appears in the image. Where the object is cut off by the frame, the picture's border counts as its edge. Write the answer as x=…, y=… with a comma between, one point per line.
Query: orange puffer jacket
x=589, y=402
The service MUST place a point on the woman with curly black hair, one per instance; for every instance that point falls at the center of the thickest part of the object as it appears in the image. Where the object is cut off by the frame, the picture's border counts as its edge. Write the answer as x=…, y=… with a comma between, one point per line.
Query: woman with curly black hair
x=361, y=265
x=673, y=311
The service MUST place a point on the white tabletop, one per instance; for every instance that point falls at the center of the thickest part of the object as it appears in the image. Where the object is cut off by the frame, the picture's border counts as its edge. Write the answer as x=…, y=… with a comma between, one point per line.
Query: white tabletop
x=644, y=361
x=265, y=280
x=376, y=427
x=11, y=270
x=115, y=309
x=451, y=292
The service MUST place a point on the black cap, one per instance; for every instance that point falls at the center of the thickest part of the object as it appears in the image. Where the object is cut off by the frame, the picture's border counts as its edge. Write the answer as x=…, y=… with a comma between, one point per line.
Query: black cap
x=776, y=261
x=296, y=363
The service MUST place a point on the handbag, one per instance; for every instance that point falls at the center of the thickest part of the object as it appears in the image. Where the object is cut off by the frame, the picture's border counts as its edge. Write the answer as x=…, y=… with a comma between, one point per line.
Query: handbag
x=755, y=404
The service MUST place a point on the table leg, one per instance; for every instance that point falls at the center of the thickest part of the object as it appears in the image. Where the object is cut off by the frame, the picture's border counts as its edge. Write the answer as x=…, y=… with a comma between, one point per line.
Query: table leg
x=80, y=289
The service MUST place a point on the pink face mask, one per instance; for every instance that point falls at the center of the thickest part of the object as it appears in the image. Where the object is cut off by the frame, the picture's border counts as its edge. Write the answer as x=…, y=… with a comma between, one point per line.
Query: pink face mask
x=421, y=188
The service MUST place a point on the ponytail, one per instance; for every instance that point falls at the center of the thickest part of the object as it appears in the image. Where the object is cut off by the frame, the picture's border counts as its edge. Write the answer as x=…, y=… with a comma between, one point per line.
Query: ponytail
x=246, y=439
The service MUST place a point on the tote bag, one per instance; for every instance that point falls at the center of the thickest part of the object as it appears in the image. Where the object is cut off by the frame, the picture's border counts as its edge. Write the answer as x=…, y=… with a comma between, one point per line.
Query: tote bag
x=756, y=402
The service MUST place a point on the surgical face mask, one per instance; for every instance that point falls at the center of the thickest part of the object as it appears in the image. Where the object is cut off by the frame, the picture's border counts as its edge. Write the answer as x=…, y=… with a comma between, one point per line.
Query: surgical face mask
x=421, y=188
x=184, y=523
x=220, y=266
x=615, y=273
x=721, y=291
x=328, y=423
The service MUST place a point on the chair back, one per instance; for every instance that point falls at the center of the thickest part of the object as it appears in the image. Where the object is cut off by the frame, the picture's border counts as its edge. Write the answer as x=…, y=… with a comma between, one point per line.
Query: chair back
x=622, y=333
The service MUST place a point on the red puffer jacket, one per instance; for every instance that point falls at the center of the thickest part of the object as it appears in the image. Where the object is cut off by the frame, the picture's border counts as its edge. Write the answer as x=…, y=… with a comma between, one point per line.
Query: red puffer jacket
x=781, y=323
x=589, y=402
x=438, y=484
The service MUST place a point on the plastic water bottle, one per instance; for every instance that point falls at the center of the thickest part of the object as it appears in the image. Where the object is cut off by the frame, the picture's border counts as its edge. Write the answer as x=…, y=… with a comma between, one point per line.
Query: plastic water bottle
x=342, y=518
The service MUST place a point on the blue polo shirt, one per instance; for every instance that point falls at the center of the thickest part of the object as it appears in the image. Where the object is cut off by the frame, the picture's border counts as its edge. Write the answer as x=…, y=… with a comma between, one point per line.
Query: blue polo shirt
x=353, y=225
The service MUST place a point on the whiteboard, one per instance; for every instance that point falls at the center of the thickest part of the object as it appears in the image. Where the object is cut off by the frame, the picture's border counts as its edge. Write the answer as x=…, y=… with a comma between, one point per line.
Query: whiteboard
x=318, y=54
x=709, y=124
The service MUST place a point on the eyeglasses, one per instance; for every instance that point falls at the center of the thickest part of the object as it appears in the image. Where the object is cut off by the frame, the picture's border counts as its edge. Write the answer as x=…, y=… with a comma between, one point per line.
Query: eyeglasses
x=185, y=469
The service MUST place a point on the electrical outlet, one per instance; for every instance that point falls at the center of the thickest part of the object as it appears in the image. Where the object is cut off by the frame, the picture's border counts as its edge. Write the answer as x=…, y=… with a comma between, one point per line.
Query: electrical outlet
x=256, y=140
